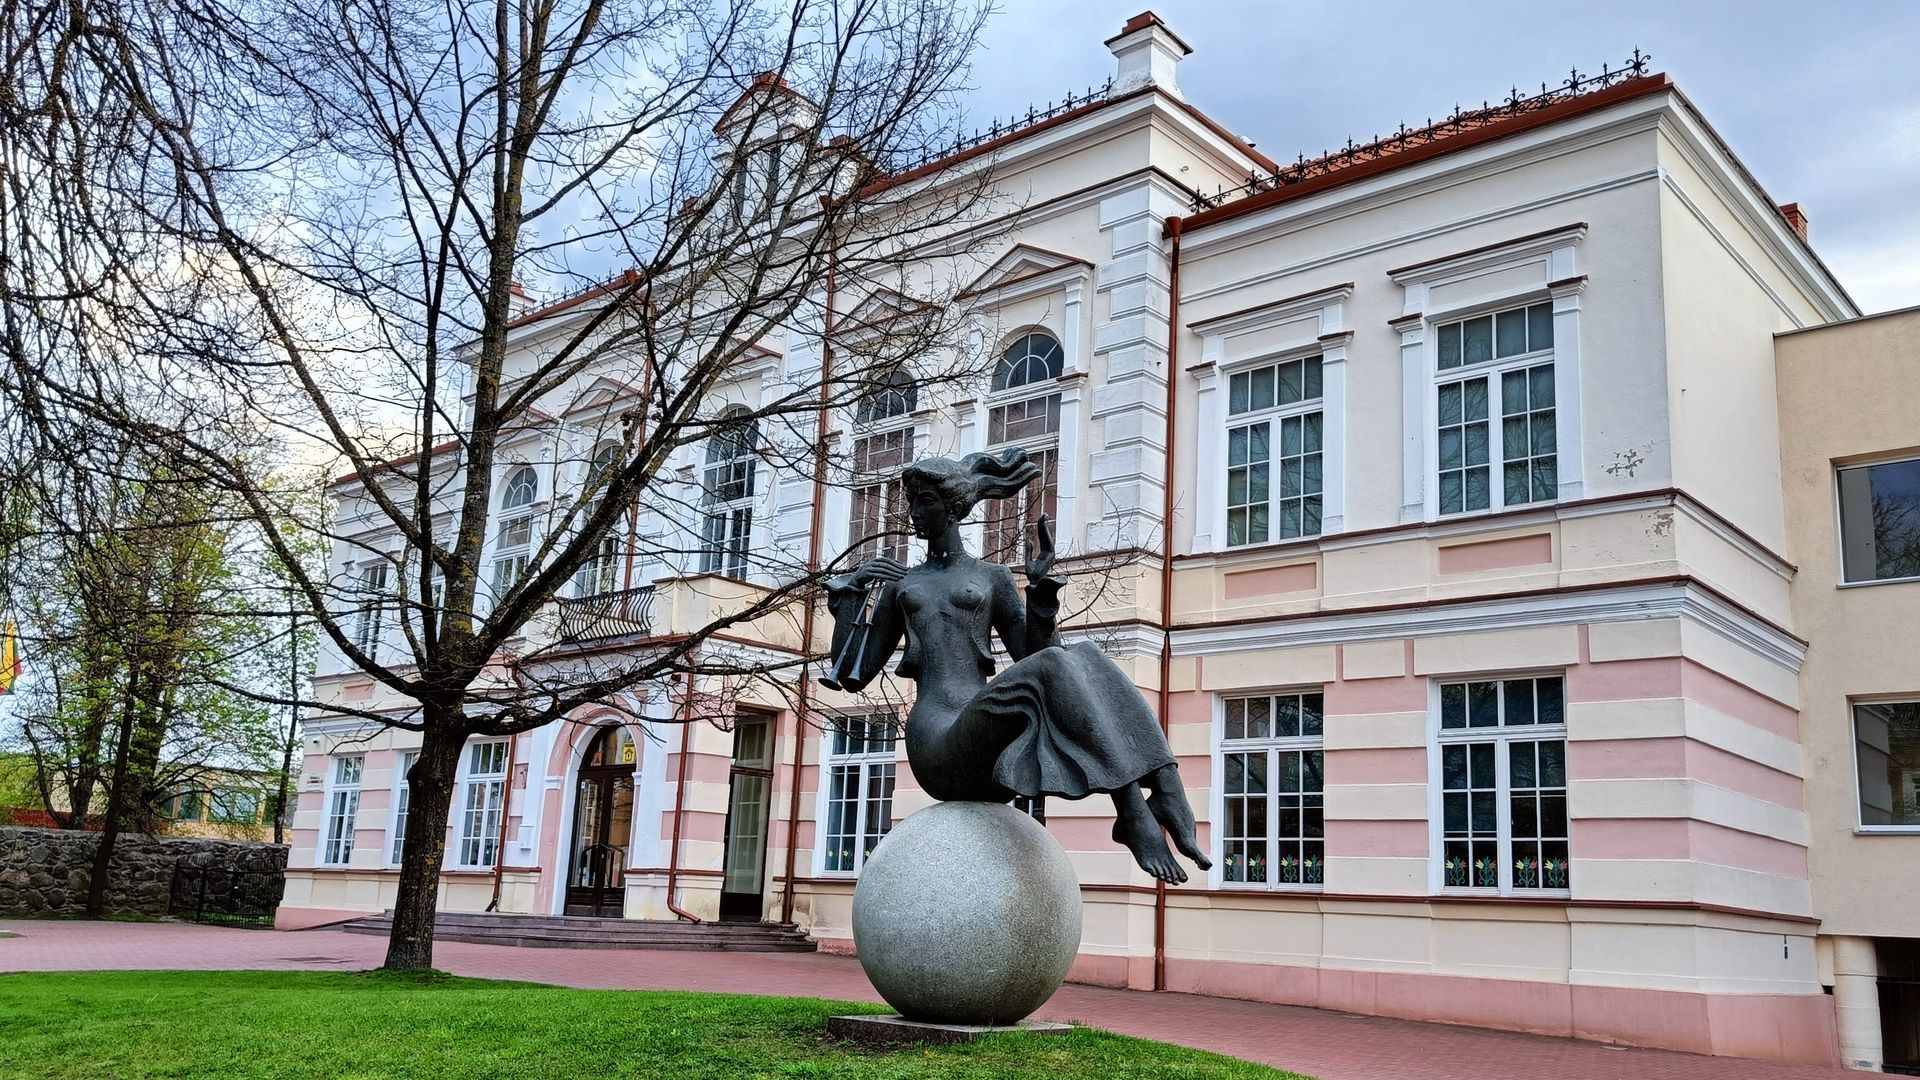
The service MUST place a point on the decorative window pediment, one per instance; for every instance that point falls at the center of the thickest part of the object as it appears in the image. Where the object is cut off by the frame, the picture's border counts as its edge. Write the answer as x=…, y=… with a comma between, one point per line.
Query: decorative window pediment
x=1026, y=268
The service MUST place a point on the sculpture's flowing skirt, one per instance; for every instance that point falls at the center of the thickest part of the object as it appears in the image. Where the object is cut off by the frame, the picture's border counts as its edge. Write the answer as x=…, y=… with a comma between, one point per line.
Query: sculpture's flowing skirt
x=1077, y=724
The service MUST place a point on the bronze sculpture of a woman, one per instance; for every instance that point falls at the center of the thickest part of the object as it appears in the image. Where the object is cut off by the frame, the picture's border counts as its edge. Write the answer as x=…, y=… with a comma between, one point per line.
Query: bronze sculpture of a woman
x=1061, y=720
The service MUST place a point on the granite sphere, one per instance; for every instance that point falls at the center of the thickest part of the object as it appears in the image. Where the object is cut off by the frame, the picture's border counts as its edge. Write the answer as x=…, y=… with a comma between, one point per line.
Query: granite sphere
x=967, y=913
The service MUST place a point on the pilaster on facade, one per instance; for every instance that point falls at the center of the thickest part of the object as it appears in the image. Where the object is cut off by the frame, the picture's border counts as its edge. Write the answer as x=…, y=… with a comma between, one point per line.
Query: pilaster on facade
x=1126, y=475
x=793, y=496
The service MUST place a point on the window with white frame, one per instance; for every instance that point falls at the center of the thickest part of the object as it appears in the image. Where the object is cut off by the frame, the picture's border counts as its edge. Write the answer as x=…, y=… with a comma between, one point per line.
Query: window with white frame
x=1886, y=737
x=513, y=536
x=403, y=795
x=879, y=525
x=727, y=492
x=1272, y=765
x=1880, y=521
x=1495, y=388
x=342, y=806
x=482, y=799
x=859, y=766
x=895, y=396
x=756, y=181
x=1023, y=410
x=600, y=573
x=1275, y=471
x=370, y=617
x=1501, y=751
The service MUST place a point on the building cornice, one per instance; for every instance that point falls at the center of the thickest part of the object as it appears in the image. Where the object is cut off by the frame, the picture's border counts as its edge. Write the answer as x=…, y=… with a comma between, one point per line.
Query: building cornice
x=1682, y=596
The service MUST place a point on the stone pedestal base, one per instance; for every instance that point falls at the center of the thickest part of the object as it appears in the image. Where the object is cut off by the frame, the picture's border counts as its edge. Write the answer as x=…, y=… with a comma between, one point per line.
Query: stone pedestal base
x=967, y=913
x=900, y=1031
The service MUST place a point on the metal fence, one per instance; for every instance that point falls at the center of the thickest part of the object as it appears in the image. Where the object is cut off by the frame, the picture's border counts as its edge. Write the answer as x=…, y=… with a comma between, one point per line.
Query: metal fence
x=203, y=892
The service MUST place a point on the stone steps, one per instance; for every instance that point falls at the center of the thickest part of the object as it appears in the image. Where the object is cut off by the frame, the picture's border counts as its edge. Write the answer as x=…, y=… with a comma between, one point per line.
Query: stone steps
x=590, y=932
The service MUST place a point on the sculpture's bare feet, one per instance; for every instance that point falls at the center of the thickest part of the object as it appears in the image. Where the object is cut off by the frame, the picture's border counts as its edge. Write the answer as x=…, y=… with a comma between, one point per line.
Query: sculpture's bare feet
x=1169, y=805
x=1137, y=828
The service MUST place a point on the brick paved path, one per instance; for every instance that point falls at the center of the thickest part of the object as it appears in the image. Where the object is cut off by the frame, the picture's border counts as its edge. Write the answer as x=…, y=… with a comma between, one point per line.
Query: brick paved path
x=1331, y=1046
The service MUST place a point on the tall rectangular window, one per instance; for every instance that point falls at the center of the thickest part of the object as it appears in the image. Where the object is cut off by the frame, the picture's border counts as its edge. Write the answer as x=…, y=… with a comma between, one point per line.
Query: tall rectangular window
x=728, y=485
x=1272, y=761
x=879, y=525
x=342, y=805
x=1274, y=454
x=1880, y=521
x=482, y=800
x=1502, y=360
x=1887, y=753
x=1502, y=756
x=370, y=618
x=1033, y=424
x=859, y=770
x=403, y=795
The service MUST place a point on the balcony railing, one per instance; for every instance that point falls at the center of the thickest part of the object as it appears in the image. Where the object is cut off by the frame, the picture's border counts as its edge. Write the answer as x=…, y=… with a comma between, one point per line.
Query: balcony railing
x=606, y=615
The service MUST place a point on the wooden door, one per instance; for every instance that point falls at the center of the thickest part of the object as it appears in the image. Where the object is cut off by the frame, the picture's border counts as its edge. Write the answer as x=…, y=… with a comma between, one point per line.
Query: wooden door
x=749, y=802
x=602, y=827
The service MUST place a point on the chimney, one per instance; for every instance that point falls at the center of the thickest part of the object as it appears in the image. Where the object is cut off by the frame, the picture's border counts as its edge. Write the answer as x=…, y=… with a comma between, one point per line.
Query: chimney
x=519, y=301
x=1796, y=217
x=1148, y=54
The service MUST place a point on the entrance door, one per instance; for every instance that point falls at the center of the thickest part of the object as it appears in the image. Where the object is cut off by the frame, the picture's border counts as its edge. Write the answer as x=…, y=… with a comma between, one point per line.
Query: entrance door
x=748, y=803
x=602, y=825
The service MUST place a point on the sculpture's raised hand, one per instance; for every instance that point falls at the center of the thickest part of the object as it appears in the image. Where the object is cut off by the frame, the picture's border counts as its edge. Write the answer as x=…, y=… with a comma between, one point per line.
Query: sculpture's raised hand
x=880, y=568
x=1040, y=555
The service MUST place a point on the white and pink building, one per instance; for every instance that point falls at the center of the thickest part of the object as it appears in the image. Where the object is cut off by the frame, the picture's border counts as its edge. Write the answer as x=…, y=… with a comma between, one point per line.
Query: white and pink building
x=1435, y=491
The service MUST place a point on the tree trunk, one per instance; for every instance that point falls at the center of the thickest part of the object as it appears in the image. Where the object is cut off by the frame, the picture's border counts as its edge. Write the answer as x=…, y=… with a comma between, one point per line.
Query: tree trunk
x=429, y=799
x=115, y=814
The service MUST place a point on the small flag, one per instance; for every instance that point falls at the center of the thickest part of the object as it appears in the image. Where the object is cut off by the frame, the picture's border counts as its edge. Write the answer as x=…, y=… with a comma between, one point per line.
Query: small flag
x=9, y=657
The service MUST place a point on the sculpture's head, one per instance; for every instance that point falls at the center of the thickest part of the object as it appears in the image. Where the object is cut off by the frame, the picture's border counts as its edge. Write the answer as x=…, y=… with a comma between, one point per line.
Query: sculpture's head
x=941, y=491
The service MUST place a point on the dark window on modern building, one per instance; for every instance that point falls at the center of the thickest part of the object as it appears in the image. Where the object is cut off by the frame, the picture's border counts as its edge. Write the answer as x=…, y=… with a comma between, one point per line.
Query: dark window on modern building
x=1886, y=743
x=1880, y=521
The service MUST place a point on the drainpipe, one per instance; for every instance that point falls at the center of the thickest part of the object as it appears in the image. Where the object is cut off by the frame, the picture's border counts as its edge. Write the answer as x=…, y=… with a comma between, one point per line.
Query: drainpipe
x=803, y=703
x=500, y=844
x=1166, y=569
x=679, y=802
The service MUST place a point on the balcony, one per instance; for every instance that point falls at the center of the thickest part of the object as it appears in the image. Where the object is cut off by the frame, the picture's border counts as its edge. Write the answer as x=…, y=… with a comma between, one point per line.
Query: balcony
x=625, y=613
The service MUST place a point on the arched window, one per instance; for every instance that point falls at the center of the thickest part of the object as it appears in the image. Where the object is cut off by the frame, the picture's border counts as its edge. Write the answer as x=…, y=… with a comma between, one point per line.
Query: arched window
x=1024, y=411
x=522, y=486
x=727, y=495
x=599, y=574
x=514, y=538
x=897, y=396
x=612, y=745
x=605, y=457
x=1035, y=357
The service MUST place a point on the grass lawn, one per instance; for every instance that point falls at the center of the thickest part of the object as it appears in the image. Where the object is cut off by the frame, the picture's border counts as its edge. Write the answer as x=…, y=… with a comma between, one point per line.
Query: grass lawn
x=129, y=1025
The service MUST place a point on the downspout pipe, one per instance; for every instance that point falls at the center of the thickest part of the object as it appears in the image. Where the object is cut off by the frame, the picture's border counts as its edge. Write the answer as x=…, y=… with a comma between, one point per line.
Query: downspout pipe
x=803, y=697
x=1166, y=564
x=679, y=803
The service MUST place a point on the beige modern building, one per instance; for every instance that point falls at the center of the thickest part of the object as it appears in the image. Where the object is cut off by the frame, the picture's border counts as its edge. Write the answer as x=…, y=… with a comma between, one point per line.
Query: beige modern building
x=1431, y=490
x=1850, y=459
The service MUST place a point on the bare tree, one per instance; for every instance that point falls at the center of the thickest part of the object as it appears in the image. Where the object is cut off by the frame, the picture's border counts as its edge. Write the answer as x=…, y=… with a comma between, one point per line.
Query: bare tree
x=303, y=227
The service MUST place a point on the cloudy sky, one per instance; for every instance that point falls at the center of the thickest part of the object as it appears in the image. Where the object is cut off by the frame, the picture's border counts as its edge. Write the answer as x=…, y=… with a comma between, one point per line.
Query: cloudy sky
x=1820, y=100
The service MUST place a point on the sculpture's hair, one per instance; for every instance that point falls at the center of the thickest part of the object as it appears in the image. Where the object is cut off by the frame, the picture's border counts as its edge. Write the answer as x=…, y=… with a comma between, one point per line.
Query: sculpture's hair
x=962, y=484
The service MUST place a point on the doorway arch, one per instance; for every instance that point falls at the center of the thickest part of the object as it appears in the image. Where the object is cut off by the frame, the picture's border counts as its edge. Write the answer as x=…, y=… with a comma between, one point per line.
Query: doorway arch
x=602, y=825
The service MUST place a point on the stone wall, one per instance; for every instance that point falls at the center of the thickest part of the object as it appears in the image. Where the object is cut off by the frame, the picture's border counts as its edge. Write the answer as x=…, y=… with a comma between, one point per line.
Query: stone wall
x=48, y=871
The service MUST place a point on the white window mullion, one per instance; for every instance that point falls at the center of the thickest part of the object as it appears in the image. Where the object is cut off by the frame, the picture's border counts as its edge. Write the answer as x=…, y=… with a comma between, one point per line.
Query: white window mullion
x=1503, y=807
x=1273, y=853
